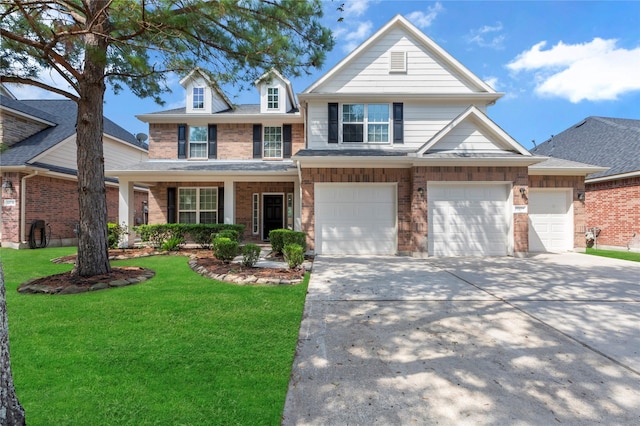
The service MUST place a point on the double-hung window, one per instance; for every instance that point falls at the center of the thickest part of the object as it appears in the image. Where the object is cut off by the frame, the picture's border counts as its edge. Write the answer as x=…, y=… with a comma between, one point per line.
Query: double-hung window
x=198, y=205
x=368, y=123
x=273, y=98
x=198, y=141
x=198, y=98
x=272, y=142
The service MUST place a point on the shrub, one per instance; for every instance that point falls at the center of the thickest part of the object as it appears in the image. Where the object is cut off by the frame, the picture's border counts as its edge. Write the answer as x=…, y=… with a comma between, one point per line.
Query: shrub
x=250, y=254
x=279, y=238
x=156, y=235
x=225, y=249
x=172, y=243
x=114, y=231
x=201, y=234
x=232, y=234
x=294, y=255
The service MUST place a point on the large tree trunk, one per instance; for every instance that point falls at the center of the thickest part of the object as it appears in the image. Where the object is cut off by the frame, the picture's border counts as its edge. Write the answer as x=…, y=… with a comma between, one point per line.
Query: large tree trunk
x=93, y=248
x=11, y=412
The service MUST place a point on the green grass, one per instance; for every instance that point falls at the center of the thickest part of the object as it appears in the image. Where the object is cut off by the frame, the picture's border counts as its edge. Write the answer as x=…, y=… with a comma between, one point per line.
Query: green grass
x=179, y=349
x=624, y=255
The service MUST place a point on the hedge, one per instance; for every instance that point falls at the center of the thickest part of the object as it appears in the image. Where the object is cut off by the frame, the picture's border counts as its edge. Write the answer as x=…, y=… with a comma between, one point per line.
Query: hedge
x=200, y=234
x=279, y=238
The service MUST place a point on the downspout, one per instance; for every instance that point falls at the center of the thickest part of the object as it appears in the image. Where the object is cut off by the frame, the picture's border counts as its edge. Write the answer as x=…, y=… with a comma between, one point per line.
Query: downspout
x=23, y=206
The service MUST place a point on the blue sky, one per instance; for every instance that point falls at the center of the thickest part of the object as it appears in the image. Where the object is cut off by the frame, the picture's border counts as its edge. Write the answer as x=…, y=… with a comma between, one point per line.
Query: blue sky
x=557, y=62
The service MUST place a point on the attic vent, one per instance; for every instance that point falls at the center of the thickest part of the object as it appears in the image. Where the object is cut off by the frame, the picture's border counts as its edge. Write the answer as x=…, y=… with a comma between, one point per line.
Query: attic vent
x=398, y=62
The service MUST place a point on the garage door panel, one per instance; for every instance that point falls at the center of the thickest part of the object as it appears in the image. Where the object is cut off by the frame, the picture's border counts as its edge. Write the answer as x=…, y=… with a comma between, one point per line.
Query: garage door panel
x=468, y=219
x=550, y=220
x=355, y=219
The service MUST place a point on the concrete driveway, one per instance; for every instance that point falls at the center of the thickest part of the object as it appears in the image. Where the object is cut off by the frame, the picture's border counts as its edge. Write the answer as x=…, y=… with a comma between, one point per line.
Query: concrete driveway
x=552, y=339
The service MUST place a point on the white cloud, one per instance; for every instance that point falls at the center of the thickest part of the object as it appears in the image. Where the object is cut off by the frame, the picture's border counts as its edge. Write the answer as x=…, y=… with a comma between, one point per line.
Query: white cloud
x=424, y=20
x=486, y=36
x=593, y=71
x=350, y=38
x=356, y=7
x=492, y=81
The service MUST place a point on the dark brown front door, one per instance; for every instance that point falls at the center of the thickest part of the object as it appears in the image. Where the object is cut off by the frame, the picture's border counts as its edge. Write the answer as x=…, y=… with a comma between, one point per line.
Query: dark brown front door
x=272, y=214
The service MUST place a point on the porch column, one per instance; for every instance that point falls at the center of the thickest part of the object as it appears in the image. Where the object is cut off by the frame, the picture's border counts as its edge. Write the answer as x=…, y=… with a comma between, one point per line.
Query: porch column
x=126, y=212
x=229, y=201
x=297, y=205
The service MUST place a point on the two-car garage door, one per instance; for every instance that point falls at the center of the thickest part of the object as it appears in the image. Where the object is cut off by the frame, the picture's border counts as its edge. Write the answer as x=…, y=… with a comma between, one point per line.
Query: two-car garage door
x=355, y=218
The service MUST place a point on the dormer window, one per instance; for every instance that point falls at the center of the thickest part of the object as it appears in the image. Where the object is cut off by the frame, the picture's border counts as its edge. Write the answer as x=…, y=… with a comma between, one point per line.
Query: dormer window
x=198, y=98
x=273, y=98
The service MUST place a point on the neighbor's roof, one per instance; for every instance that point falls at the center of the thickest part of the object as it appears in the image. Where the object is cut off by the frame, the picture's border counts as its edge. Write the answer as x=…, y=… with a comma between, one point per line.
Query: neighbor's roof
x=61, y=113
x=602, y=141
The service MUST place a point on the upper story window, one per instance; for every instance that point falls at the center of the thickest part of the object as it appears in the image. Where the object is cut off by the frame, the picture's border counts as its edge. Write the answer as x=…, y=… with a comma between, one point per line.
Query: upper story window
x=272, y=142
x=367, y=123
x=198, y=98
x=273, y=98
x=198, y=142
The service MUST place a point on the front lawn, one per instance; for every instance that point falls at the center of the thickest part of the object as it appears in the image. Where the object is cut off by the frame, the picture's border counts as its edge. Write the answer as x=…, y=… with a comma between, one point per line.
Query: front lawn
x=624, y=255
x=177, y=349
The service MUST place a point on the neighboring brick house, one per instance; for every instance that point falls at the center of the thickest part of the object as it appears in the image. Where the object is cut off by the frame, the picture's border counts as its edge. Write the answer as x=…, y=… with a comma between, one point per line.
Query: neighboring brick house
x=612, y=195
x=39, y=173
x=389, y=152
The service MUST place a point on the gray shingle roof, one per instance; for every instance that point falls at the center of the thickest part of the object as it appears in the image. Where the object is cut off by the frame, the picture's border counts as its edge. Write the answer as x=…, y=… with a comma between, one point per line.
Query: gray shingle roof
x=242, y=109
x=602, y=141
x=213, y=166
x=61, y=112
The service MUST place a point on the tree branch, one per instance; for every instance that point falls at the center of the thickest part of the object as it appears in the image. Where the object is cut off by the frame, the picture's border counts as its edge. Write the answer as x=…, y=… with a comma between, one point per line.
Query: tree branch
x=36, y=83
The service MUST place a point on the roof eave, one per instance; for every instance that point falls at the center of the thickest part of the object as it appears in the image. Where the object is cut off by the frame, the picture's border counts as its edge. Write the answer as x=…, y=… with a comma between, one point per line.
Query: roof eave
x=612, y=177
x=295, y=117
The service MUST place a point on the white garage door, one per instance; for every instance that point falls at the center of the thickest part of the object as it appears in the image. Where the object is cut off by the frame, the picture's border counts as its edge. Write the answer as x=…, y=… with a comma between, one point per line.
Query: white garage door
x=469, y=219
x=355, y=219
x=550, y=220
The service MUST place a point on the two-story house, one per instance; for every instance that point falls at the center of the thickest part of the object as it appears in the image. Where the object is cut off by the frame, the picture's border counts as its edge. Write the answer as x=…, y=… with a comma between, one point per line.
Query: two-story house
x=390, y=151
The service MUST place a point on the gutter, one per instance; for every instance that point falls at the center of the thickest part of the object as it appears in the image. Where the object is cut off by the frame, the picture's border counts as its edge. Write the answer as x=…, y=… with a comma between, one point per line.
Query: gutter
x=23, y=206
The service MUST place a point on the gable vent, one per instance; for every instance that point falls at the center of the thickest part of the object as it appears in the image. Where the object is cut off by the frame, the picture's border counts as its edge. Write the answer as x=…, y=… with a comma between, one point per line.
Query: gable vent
x=398, y=62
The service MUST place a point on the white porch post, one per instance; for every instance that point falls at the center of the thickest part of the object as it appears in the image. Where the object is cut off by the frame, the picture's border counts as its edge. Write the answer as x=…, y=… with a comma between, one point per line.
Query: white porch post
x=229, y=201
x=297, y=205
x=126, y=212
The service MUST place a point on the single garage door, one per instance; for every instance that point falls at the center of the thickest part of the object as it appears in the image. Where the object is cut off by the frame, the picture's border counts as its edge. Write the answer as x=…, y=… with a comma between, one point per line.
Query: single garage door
x=469, y=219
x=550, y=220
x=355, y=218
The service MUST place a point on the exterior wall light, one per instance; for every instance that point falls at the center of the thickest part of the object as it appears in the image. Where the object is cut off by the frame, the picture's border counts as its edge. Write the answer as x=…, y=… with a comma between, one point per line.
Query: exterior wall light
x=7, y=186
x=523, y=192
x=421, y=192
x=581, y=195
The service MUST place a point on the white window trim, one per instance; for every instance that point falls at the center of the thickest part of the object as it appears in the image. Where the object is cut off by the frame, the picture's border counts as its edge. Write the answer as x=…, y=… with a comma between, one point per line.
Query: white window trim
x=205, y=143
x=197, y=210
x=255, y=215
x=289, y=215
x=264, y=148
x=365, y=123
x=193, y=98
x=276, y=92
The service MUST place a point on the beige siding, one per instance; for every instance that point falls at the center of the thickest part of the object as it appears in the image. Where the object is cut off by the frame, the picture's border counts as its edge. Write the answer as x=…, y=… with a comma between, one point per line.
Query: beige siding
x=370, y=71
x=115, y=154
x=466, y=137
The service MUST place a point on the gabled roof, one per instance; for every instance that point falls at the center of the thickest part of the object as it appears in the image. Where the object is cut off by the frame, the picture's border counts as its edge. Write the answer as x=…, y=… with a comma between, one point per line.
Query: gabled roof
x=62, y=114
x=400, y=22
x=481, y=121
x=602, y=141
x=274, y=72
x=199, y=72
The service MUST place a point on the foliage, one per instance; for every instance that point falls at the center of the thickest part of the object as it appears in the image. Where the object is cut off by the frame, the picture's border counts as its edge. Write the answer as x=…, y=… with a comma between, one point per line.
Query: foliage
x=177, y=349
x=225, y=249
x=279, y=238
x=172, y=244
x=624, y=255
x=250, y=254
x=232, y=234
x=156, y=235
x=294, y=255
x=128, y=43
x=114, y=232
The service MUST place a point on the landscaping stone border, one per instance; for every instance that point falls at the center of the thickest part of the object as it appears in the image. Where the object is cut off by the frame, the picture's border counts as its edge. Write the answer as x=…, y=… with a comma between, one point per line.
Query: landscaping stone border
x=30, y=287
x=238, y=279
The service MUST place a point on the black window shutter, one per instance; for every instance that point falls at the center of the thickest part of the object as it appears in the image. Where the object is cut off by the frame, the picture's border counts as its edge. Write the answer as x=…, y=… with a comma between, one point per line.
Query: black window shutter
x=333, y=123
x=398, y=123
x=257, y=141
x=286, y=140
x=213, y=141
x=182, y=141
x=171, y=205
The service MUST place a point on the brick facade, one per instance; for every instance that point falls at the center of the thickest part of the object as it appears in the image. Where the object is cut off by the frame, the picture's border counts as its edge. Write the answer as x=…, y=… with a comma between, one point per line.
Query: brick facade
x=235, y=141
x=614, y=207
x=44, y=198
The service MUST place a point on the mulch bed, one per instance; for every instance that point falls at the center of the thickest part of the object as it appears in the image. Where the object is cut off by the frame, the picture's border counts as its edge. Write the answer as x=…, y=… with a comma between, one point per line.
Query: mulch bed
x=201, y=261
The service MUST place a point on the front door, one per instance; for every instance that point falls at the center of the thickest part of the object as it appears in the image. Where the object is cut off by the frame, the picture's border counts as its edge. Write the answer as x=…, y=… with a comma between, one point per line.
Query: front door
x=273, y=214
